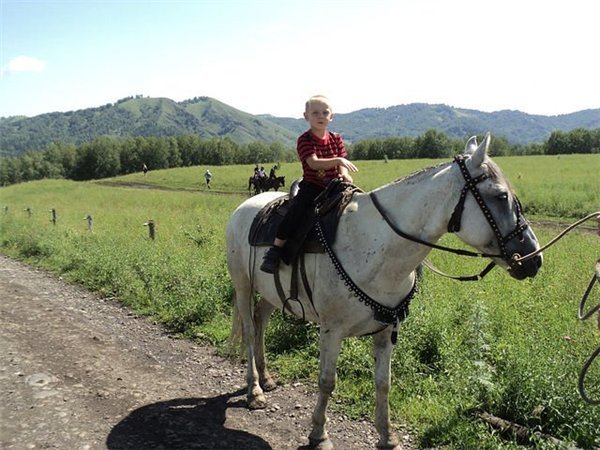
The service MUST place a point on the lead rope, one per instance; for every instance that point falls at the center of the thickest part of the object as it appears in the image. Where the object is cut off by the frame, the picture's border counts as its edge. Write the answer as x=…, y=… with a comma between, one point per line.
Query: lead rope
x=581, y=315
x=518, y=258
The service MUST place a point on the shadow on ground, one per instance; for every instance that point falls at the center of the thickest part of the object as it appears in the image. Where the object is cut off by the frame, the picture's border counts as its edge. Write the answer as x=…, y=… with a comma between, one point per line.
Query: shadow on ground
x=190, y=423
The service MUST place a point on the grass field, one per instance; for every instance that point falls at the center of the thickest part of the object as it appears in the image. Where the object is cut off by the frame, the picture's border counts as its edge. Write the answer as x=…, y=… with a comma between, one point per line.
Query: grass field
x=512, y=349
x=561, y=187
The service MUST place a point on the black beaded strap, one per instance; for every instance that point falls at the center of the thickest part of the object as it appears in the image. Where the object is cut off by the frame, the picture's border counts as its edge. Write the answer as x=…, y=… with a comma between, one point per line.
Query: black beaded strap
x=471, y=186
x=381, y=312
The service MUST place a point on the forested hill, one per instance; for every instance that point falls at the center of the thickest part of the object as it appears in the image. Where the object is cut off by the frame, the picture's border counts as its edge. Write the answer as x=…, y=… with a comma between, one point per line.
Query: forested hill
x=207, y=117
x=139, y=116
x=416, y=118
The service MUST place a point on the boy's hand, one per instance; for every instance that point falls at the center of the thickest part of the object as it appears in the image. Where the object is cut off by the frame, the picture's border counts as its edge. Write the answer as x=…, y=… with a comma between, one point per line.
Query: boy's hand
x=347, y=178
x=348, y=165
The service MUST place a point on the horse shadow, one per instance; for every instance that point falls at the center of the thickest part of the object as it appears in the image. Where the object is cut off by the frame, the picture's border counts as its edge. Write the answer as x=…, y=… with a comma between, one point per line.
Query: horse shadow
x=186, y=423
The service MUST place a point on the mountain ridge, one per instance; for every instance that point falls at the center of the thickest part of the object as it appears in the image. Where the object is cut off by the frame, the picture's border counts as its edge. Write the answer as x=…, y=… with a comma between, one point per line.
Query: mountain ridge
x=210, y=118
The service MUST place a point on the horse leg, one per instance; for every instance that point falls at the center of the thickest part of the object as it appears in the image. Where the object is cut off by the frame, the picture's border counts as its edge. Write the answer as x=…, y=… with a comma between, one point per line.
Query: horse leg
x=262, y=314
x=244, y=302
x=328, y=353
x=382, y=350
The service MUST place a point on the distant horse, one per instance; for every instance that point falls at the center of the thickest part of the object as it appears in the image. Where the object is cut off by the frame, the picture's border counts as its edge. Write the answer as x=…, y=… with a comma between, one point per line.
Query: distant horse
x=265, y=184
x=375, y=261
x=273, y=183
x=256, y=184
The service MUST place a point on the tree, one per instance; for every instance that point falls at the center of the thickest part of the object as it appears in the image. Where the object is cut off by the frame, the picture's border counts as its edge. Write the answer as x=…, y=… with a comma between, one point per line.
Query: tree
x=97, y=159
x=499, y=147
x=580, y=141
x=433, y=144
x=62, y=157
x=557, y=143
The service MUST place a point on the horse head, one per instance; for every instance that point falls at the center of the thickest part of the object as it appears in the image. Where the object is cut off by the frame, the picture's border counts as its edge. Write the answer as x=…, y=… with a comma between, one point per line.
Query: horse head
x=488, y=215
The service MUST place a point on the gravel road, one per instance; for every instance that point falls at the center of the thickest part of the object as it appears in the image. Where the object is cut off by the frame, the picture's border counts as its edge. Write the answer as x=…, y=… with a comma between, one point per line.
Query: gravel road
x=82, y=372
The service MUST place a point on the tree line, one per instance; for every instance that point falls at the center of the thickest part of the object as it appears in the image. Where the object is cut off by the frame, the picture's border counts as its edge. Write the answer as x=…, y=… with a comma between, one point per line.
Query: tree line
x=108, y=157
x=434, y=144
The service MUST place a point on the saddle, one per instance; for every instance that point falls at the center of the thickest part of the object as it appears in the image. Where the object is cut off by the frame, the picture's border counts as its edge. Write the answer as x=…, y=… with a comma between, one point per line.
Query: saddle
x=329, y=206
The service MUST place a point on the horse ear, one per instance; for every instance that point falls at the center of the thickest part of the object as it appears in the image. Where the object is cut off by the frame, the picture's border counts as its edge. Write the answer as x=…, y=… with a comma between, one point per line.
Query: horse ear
x=479, y=154
x=471, y=145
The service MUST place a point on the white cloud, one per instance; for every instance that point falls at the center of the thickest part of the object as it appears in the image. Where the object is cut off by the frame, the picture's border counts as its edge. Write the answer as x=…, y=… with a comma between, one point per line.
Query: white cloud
x=24, y=64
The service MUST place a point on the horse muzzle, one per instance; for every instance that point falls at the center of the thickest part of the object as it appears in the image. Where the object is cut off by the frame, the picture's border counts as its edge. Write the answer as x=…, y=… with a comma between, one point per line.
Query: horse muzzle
x=521, y=268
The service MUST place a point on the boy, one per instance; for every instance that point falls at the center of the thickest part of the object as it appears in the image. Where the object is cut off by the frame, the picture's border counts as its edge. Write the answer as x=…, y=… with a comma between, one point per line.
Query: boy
x=323, y=158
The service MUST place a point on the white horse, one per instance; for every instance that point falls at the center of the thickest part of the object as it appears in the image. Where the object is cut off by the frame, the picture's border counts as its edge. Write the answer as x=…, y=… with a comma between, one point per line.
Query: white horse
x=470, y=193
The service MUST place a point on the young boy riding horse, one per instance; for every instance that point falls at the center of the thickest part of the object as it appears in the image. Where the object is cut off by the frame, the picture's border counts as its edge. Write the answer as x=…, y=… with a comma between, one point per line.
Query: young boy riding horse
x=323, y=157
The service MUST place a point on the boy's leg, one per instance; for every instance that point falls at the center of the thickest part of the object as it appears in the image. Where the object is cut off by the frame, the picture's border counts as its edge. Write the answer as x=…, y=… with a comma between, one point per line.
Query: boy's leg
x=298, y=207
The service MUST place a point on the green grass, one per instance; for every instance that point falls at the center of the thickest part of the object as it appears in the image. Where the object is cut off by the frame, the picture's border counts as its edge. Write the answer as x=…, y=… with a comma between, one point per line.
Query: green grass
x=513, y=349
x=550, y=187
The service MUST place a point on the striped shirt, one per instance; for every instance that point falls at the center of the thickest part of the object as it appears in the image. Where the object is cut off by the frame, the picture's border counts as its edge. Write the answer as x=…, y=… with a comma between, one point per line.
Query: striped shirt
x=330, y=147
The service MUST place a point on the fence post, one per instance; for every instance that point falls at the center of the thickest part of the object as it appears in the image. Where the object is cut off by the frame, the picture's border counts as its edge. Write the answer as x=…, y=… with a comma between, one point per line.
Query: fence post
x=53, y=211
x=151, y=227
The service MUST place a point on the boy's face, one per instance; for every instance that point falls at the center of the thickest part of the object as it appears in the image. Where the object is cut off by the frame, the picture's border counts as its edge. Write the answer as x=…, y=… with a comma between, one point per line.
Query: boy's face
x=318, y=115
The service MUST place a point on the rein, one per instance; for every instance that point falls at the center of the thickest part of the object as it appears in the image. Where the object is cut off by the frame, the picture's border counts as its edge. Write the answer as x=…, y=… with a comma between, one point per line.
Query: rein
x=584, y=316
x=455, y=222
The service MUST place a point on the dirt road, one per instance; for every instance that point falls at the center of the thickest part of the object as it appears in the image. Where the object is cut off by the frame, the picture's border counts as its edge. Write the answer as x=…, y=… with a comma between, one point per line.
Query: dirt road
x=81, y=372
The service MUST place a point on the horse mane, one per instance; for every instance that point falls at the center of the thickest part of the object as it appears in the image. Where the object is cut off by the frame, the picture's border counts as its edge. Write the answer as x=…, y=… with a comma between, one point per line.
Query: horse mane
x=493, y=172
x=419, y=173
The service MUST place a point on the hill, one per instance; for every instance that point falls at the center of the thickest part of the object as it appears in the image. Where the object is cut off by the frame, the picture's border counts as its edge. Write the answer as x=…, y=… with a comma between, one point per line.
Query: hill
x=139, y=116
x=207, y=117
x=416, y=118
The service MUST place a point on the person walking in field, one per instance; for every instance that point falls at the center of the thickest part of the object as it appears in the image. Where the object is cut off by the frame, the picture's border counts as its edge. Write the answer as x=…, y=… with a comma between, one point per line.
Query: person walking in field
x=323, y=157
x=208, y=177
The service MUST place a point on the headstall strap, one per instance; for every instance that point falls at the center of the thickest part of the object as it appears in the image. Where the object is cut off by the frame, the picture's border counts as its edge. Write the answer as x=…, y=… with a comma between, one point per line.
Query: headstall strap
x=471, y=185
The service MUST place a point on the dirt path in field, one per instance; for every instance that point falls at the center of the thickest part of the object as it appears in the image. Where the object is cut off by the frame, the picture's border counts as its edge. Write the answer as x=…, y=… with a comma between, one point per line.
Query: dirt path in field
x=81, y=372
x=540, y=223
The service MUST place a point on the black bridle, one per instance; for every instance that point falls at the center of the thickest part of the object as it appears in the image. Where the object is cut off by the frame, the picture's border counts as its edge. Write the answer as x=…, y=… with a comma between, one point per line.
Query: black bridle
x=454, y=223
x=471, y=186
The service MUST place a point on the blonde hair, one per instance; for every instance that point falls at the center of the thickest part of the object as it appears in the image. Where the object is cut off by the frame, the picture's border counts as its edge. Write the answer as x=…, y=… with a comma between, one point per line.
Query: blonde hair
x=317, y=99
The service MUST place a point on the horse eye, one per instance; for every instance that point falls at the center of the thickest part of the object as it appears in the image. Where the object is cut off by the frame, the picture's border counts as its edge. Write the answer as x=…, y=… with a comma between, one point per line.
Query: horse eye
x=502, y=196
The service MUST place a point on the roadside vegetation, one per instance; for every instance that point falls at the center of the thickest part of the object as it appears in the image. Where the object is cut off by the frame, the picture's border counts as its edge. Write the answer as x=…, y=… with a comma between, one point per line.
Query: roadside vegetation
x=509, y=348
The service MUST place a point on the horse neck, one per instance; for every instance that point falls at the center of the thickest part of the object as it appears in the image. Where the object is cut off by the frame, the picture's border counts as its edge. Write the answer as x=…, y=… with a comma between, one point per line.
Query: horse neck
x=419, y=205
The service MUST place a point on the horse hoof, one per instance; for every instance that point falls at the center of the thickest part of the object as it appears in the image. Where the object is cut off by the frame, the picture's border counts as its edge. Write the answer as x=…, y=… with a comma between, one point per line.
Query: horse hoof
x=268, y=385
x=391, y=444
x=258, y=402
x=323, y=444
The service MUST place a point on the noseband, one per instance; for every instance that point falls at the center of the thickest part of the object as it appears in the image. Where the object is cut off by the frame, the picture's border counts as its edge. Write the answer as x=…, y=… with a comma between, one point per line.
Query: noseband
x=471, y=186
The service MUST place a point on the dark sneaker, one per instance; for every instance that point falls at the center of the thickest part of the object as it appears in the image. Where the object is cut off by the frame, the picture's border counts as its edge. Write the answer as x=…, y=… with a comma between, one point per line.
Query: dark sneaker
x=271, y=260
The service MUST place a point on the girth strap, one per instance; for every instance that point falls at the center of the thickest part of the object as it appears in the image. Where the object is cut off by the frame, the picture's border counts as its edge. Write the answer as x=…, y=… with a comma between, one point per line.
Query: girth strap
x=298, y=267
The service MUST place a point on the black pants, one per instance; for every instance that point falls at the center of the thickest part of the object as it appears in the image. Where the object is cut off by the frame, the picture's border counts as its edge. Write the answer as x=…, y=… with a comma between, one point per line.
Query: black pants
x=299, y=206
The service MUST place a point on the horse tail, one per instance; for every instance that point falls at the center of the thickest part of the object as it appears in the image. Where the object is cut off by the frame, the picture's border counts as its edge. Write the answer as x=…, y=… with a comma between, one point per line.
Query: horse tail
x=234, y=342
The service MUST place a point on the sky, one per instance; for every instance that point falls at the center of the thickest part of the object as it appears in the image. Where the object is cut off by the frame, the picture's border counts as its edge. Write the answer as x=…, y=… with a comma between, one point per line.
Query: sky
x=270, y=56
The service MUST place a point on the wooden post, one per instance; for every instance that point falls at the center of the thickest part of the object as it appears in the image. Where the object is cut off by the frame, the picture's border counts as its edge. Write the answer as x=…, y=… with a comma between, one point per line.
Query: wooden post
x=90, y=222
x=151, y=227
x=53, y=211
